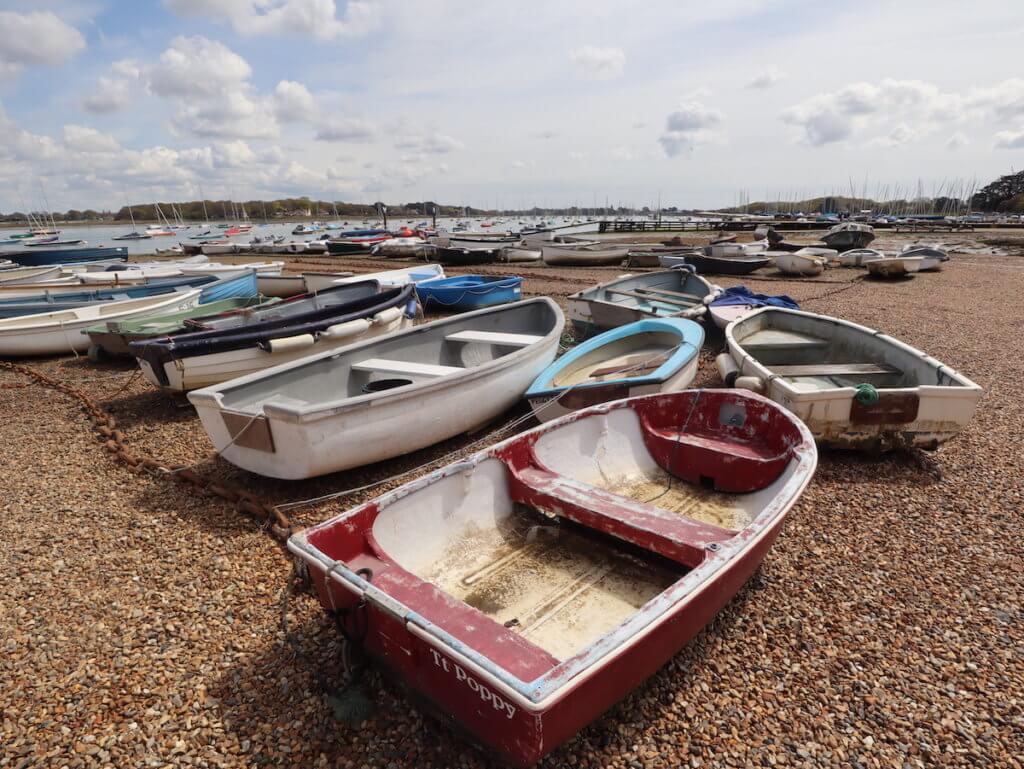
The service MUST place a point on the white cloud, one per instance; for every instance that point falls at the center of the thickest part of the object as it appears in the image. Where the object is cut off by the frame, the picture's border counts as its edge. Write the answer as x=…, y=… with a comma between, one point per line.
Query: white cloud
x=234, y=116
x=598, y=63
x=197, y=66
x=690, y=125
x=957, y=140
x=116, y=90
x=79, y=138
x=345, y=130
x=233, y=154
x=430, y=144
x=317, y=19
x=1005, y=100
x=1010, y=140
x=38, y=38
x=766, y=79
x=859, y=108
x=293, y=102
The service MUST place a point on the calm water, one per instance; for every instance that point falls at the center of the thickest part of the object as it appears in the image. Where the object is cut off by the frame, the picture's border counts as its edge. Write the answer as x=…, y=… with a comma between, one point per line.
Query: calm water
x=101, y=235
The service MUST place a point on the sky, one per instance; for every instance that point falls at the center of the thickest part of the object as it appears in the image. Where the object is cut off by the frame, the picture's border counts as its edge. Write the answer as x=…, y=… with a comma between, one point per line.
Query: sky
x=503, y=104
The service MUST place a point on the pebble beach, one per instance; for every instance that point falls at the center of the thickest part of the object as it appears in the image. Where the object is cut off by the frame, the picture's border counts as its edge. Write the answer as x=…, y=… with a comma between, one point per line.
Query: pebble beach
x=141, y=619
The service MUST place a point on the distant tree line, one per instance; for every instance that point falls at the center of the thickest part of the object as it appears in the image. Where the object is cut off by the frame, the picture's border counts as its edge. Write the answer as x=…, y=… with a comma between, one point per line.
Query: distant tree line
x=1004, y=194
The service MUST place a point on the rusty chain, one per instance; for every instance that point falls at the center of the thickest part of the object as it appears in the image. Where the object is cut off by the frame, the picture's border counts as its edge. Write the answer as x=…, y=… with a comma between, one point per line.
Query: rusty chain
x=273, y=520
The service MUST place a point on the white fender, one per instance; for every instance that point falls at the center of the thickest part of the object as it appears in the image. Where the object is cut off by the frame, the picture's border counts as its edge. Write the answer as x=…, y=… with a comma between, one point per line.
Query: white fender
x=290, y=343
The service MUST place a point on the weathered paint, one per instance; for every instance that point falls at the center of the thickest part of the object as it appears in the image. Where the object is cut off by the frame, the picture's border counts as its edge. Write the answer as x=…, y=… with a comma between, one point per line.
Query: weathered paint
x=523, y=702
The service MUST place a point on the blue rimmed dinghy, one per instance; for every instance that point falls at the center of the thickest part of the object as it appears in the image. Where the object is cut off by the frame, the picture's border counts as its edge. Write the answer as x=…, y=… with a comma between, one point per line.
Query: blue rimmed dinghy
x=648, y=356
x=469, y=292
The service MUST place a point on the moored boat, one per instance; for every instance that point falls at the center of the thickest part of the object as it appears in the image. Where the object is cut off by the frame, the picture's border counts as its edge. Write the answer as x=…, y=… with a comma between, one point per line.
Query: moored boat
x=849, y=235
x=669, y=293
x=469, y=292
x=526, y=589
x=855, y=387
x=380, y=398
x=39, y=257
x=226, y=347
x=592, y=255
x=54, y=333
x=648, y=356
x=801, y=262
x=318, y=281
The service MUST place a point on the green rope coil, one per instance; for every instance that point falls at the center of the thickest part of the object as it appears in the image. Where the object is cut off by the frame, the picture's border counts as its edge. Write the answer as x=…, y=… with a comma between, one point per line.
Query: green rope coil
x=866, y=395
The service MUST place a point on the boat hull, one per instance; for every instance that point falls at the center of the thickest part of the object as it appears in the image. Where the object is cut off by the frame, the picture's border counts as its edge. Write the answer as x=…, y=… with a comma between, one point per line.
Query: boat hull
x=922, y=416
x=38, y=257
x=449, y=656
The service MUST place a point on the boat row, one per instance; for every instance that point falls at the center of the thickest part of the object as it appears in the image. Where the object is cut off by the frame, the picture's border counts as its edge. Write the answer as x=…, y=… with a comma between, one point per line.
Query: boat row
x=527, y=587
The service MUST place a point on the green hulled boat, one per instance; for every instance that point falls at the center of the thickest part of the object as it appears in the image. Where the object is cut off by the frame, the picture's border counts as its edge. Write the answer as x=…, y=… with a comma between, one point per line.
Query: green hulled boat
x=113, y=338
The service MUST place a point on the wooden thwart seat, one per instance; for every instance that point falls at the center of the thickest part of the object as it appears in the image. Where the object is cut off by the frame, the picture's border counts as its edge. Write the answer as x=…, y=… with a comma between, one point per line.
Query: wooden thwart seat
x=493, y=337
x=408, y=368
x=834, y=369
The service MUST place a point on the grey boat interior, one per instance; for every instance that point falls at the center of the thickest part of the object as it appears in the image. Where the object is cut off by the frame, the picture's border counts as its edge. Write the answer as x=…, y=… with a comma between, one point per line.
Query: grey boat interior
x=417, y=356
x=819, y=353
x=663, y=293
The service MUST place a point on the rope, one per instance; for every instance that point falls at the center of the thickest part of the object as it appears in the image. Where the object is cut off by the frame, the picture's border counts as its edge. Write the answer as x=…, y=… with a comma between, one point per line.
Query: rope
x=866, y=395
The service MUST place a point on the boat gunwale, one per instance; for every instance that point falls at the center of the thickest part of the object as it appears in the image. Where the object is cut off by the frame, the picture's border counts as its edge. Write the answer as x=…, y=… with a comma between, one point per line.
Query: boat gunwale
x=676, y=361
x=213, y=397
x=540, y=694
x=742, y=357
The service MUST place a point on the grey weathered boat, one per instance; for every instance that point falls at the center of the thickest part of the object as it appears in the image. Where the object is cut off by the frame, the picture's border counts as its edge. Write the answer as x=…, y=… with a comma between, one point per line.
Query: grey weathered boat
x=665, y=294
x=854, y=386
x=384, y=397
x=849, y=235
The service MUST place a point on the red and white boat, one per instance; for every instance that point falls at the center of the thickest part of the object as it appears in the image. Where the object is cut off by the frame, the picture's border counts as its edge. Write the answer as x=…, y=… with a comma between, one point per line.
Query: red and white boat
x=525, y=590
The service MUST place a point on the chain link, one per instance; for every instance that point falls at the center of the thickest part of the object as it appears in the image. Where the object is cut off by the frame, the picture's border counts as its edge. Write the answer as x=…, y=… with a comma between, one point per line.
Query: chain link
x=276, y=523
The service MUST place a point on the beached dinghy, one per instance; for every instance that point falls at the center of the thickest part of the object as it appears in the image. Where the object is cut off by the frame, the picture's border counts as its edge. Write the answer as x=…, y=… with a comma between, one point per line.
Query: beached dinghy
x=17, y=276
x=894, y=266
x=237, y=344
x=666, y=294
x=859, y=257
x=515, y=254
x=801, y=262
x=457, y=256
x=847, y=235
x=586, y=255
x=737, y=301
x=649, y=356
x=285, y=286
x=469, y=292
x=130, y=274
x=401, y=248
x=378, y=399
x=318, y=281
x=525, y=590
x=854, y=387
x=716, y=265
x=55, y=333
x=114, y=338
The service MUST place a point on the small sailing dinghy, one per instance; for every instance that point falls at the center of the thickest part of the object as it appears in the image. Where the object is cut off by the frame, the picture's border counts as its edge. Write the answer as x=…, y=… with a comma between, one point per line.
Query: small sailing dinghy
x=854, y=387
x=469, y=292
x=380, y=398
x=233, y=345
x=525, y=590
x=649, y=356
x=55, y=333
x=666, y=294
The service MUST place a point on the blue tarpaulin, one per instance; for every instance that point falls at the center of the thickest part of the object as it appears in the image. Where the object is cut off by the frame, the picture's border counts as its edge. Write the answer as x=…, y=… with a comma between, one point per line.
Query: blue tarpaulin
x=743, y=295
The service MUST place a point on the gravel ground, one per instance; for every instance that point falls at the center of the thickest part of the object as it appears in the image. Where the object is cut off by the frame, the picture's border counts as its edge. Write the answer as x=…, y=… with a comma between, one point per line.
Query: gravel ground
x=140, y=621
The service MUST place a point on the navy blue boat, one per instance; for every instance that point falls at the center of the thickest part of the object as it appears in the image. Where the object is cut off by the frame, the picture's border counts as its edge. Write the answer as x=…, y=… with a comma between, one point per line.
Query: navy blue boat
x=469, y=292
x=40, y=257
